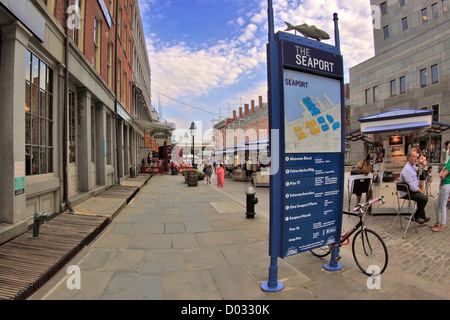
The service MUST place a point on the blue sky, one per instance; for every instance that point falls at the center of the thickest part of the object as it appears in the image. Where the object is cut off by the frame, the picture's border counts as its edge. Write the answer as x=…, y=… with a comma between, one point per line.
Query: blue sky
x=211, y=54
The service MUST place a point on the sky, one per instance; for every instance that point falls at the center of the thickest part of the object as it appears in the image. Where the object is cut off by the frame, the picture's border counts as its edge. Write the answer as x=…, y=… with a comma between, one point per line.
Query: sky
x=208, y=57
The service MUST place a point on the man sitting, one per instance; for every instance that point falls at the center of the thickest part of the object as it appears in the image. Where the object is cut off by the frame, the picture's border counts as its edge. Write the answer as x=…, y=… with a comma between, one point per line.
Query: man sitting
x=409, y=176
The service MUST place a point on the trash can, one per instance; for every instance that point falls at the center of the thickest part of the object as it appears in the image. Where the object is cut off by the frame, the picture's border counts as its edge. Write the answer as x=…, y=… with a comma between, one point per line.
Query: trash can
x=192, y=178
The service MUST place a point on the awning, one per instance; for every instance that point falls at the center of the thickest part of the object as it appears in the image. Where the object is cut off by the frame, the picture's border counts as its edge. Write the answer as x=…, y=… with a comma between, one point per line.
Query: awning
x=436, y=129
x=357, y=135
x=396, y=114
x=148, y=125
x=396, y=127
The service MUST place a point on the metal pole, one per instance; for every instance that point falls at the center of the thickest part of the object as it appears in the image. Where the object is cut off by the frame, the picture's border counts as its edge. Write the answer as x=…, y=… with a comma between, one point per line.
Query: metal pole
x=273, y=285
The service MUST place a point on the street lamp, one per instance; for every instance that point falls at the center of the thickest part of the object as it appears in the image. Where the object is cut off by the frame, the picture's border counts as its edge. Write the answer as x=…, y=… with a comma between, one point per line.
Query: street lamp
x=193, y=128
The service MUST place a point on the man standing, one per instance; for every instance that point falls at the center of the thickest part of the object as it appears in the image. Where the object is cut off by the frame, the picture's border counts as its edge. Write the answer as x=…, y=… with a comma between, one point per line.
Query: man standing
x=409, y=176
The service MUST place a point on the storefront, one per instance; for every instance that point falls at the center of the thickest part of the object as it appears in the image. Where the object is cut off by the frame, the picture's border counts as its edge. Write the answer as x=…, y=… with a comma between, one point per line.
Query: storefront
x=388, y=137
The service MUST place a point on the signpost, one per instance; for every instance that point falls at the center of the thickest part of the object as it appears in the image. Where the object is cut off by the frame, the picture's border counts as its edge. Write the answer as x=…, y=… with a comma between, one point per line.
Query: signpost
x=306, y=107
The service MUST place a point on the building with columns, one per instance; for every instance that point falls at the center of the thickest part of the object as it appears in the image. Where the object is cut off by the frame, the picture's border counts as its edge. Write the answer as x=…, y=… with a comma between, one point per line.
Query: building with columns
x=75, y=80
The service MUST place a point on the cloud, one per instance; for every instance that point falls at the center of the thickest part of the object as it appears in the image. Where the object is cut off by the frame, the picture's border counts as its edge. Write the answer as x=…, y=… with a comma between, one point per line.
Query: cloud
x=187, y=72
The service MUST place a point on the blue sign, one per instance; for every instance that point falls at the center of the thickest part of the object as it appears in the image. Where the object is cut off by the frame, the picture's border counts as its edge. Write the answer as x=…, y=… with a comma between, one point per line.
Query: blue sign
x=306, y=108
x=310, y=119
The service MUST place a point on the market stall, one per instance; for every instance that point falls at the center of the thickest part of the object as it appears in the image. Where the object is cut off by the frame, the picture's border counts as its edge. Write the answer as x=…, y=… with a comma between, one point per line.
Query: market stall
x=388, y=137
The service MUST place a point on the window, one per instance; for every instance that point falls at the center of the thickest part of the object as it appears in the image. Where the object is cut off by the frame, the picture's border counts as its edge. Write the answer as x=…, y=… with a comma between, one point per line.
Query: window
x=405, y=24
x=119, y=74
x=423, y=78
x=434, y=74
x=393, y=88
x=109, y=61
x=445, y=6
x=435, y=10
x=38, y=116
x=77, y=30
x=124, y=86
x=93, y=133
x=72, y=128
x=119, y=20
x=383, y=8
x=425, y=17
x=402, y=85
x=108, y=139
x=367, y=96
x=97, y=38
x=401, y=3
x=375, y=94
x=436, y=112
x=386, y=32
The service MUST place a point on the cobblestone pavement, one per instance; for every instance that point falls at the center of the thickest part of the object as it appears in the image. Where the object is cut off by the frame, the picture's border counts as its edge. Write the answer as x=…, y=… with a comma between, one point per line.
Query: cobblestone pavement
x=424, y=255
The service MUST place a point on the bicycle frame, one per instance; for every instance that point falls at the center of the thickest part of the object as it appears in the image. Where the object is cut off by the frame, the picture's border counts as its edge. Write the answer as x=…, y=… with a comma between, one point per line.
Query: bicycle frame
x=359, y=211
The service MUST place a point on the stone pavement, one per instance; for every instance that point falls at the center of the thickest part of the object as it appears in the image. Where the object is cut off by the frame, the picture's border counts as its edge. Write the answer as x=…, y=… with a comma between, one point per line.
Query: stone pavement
x=174, y=242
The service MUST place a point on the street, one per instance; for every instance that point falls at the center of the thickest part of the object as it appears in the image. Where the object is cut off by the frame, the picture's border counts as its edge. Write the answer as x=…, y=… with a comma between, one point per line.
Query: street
x=174, y=242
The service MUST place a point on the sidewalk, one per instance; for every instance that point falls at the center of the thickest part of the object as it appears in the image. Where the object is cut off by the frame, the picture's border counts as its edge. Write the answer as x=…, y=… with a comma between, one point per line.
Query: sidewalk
x=174, y=242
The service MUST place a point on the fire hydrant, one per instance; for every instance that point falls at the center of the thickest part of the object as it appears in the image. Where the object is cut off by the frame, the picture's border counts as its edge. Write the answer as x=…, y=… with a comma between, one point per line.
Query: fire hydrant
x=38, y=218
x=251, y=201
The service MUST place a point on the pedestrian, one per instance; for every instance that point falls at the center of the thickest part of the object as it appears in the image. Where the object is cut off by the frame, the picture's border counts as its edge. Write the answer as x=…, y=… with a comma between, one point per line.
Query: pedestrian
x=423, y=172
x=220, y=175
x=409, y=177
x=208, y=173
x=441, y=202
x=248, y=168
x=429, y=182
x=364, y=167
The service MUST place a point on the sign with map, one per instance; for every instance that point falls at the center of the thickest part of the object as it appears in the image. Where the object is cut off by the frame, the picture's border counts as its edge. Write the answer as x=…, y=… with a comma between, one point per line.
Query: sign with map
x=312, y=113
x=311, y=175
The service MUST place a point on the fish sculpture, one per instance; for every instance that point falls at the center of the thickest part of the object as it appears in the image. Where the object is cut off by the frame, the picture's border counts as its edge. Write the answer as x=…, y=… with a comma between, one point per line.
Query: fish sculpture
x=309, y=31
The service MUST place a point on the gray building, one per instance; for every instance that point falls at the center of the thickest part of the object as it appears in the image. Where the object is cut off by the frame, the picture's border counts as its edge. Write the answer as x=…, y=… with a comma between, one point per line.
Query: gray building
x=410, y=69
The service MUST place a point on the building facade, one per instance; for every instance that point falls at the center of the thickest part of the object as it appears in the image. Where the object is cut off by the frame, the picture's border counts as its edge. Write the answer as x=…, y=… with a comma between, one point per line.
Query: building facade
x=71, y=64
x=410, y=69
x=232, y=137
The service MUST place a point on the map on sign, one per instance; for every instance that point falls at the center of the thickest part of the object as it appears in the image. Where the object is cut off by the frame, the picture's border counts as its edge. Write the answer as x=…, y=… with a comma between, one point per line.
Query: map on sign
x=312, y=113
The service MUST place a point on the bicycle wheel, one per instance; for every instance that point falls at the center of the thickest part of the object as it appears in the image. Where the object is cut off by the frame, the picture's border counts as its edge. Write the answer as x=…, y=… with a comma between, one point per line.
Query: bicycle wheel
x=322, y=251
x=370, y=252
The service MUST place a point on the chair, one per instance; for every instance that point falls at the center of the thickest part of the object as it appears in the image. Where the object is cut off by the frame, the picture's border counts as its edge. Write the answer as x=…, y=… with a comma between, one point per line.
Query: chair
x=359, y=184
x=404, y=188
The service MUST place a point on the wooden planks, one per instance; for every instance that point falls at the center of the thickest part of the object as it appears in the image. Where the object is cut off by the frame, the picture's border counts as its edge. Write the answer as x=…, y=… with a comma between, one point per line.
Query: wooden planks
x=26, y=264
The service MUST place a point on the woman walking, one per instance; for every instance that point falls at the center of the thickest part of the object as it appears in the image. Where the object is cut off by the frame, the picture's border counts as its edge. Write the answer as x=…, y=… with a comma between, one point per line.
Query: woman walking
x=220, y=175
x=441, y=202
x=208, y=173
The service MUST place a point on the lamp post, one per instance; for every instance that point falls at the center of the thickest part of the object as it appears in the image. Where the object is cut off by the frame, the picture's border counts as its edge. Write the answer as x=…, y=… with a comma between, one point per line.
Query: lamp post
x=193, y=128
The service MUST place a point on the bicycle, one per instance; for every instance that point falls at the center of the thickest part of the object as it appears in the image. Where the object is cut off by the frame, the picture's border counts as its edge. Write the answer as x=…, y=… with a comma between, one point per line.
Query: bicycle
x=368, y=247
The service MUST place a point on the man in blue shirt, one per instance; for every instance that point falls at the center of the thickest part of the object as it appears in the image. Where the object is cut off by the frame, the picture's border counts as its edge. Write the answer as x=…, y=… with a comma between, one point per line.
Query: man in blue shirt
x=409, y=176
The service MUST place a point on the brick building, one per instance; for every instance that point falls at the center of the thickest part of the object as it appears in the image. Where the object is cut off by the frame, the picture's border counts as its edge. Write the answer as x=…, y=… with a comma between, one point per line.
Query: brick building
x=71, y=64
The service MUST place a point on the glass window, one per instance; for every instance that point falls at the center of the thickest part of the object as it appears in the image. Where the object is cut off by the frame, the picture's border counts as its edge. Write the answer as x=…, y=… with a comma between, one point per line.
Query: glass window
x=401, y=2
x=38, y=116
x=386, y=32
x=436, y=112
x=383, y=8
x=108, y=140
x=72, y=128
x=425, y=17
x=435, y=10
x=375, y=94
x=423, y=78
x=434, y=74
x=393, y=88
x=445, y=6
x=367, y=95
x=405, y=24
x=93, y=145
x=402, y=85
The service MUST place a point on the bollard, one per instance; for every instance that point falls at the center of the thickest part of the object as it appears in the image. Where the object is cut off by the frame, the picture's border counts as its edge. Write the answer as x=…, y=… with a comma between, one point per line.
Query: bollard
x=38, y=218
x=251, y=201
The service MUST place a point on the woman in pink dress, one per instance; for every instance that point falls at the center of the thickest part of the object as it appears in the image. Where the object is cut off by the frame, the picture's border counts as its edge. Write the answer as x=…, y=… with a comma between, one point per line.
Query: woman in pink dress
x=220, y=176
